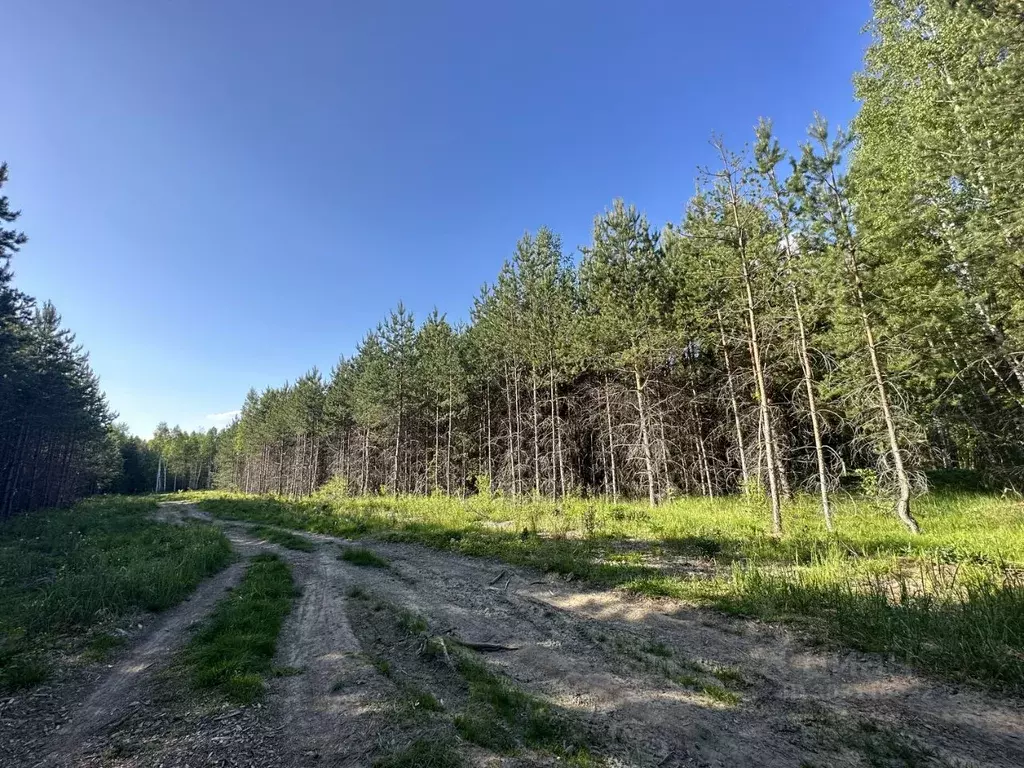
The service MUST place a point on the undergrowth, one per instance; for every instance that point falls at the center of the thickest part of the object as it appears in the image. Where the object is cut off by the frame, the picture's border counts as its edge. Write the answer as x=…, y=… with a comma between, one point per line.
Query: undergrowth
x=67, y=575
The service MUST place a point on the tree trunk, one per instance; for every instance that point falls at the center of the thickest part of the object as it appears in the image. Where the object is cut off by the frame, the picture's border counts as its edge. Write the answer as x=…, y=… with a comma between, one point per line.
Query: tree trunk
x=734, y=407
x=437, y=441
x=511, y=431
x=902, y=478
x=763, y=409
x=448, y=443
x=398, y=439
x=645, y=443
x=663, y=451
x=785, y=491
x=11, y=484
x=366, y=461
x=819, y=451
x=762, y=389
x=611, y=438
x=702, y=451
x=554, y=434
x=536, y=436
x=518, y=478
x=490, y=458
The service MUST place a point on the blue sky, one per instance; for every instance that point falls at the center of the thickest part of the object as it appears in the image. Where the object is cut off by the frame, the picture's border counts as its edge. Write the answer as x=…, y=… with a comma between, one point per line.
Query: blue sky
x=223, y=194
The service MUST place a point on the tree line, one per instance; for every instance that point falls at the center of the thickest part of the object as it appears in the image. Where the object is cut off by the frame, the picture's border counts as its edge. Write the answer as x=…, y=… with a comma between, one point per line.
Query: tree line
x=854, y=308
x=57, y=437
x=849, y=310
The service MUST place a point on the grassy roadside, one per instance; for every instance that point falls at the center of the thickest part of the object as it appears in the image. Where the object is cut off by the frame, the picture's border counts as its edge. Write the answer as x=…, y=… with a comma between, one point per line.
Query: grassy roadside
x=234, y=649
x=67, y=577
x=950, y=601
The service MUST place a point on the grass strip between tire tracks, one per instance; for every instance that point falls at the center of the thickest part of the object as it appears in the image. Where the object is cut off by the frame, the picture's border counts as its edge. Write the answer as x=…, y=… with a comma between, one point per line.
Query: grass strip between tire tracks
x=234, y=650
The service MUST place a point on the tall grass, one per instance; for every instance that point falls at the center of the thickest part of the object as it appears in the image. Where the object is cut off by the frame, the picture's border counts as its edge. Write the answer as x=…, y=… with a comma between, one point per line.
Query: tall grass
x=64, y=573
x=968, y=624
x=949, y=601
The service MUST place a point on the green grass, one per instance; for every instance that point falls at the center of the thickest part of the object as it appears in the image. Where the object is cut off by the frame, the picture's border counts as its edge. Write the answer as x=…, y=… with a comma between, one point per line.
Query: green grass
x=383, y=667
x=728, y=675
x=362, y=556
x=883, y=748
x=284, y=538
x=949, y=601
x=482, y=705
x=657, y=649
x=234, y=650
x=423, y=701
x=68, y=575
x=720, y=694
x=424, y=753
x=102, y=645
x=25, y=670
x=411, y=623
x=971, y=628
x=500, y=715
x=691, y=674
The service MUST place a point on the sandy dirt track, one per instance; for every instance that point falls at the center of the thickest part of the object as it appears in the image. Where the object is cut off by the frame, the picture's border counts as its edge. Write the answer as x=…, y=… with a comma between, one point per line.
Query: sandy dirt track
x=606, y=659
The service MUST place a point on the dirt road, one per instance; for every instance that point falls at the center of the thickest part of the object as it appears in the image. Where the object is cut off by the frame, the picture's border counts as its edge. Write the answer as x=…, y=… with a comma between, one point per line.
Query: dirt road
x=652, y=682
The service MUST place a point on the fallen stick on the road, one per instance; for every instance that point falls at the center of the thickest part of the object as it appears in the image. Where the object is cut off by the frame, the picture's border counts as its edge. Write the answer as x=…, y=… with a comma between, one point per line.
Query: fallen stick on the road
x=488, y=647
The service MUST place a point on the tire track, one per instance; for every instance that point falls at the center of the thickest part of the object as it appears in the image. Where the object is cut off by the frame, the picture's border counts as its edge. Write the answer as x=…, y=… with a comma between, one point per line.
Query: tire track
x=331, y=708
x=112, y=699
x=578, y=647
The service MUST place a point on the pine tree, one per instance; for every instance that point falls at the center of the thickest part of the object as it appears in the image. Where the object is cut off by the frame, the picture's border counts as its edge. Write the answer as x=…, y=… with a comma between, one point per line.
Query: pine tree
x=768, y=155
x=627, y=300
x=939, y=170
x=827, y=205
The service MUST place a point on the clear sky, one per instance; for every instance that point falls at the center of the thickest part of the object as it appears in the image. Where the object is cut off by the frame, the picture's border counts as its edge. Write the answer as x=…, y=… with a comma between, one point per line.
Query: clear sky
x=223, y=193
